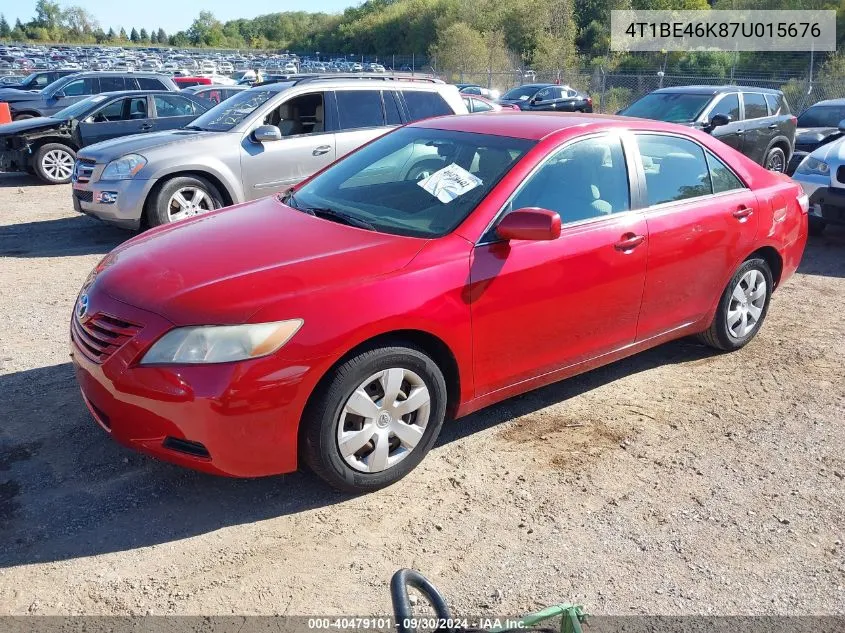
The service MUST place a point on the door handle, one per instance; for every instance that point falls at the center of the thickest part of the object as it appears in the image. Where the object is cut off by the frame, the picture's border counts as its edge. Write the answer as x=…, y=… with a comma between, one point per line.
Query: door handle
x=743, y=212
x=740, y=132
x=147, y=126
x=323, y=149
x=773, y=126
x=629, y=242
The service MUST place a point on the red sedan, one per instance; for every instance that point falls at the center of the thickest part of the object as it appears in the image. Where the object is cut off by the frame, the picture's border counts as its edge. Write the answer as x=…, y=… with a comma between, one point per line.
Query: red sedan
x=446, y=266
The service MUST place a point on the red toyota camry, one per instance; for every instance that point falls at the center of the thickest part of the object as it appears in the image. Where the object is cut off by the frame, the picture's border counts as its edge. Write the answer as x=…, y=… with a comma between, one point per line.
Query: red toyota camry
x=448, y=265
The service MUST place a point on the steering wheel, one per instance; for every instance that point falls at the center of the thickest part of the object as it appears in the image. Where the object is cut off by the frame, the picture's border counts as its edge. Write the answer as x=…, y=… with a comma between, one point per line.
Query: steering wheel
x=399, y=584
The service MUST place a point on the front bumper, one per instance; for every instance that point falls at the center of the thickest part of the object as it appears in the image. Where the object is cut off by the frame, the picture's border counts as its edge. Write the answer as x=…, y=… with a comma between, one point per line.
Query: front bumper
x=127, y=209
x=244, y=416
x=826, y=203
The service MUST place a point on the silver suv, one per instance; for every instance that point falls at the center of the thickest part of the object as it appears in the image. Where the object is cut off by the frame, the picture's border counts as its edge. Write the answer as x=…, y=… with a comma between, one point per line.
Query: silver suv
x=259, y=141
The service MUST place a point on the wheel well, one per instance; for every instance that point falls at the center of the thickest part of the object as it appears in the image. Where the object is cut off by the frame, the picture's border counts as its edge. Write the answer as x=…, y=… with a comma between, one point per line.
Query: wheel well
x=783, y=144
x=38, y=143
x=433, y=346
x=773, y=259
x=224, y=192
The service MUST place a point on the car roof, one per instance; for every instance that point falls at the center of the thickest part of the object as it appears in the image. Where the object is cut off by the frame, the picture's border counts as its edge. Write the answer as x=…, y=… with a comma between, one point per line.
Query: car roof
x=712, y=90
x=830, y=102
x=536, y=126
x=383, y=84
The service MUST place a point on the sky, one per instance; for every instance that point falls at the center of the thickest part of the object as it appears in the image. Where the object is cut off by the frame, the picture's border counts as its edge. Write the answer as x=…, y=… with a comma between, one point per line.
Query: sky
x=169, y=15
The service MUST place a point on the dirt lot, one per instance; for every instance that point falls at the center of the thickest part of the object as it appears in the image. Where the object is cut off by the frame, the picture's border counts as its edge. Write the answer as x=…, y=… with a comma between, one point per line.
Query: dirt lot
x=675, y=482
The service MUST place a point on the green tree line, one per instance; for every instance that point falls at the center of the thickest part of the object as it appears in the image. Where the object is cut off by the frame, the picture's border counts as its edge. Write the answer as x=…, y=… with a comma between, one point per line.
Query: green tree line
x=458, y=35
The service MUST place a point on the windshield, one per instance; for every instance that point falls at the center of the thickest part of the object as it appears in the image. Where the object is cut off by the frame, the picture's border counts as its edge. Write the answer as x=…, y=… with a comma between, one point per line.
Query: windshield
x=822, y=116
x=79, y=108
x=415, y=181
x=227, y=114
x=30, y=81
x=522, y=92
x=674, y=107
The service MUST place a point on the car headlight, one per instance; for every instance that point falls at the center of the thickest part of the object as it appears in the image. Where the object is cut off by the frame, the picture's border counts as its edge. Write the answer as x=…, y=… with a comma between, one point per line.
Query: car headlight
x=812, y=165
x=220, y=343
x=124, y=167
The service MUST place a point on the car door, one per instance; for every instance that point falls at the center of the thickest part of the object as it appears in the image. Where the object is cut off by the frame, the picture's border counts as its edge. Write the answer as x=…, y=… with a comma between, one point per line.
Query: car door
x=543, y=99
x=732, y=133
x=701, y=220
x=540, y=306
x=171, y=112
x=760, y=128
x=112, y=120
x=307, y=145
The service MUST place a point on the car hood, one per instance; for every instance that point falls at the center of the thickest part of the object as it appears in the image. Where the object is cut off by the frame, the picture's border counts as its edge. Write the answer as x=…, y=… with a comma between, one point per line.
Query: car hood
x=224, y=267
x=29, y=125
x=141, y=144
x=834, y=151
x=10, y=95
x=814, y=134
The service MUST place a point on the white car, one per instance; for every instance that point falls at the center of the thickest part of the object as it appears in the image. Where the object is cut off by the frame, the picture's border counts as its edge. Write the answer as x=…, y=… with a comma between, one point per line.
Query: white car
x=822, y=175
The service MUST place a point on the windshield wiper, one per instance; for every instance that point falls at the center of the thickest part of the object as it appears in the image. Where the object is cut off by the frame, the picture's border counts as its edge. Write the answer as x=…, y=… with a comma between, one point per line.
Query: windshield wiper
x=326, y=213
x=193, y=127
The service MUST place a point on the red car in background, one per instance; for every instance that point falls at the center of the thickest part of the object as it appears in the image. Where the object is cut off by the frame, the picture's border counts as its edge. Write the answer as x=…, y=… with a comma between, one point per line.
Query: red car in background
x=339, y=323
x=187, y=82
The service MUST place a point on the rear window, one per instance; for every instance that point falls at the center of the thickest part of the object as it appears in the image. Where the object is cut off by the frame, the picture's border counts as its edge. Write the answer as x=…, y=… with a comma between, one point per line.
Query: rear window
x=149, y=83
x=777, y=104
x=423, y=104
x=822, y=116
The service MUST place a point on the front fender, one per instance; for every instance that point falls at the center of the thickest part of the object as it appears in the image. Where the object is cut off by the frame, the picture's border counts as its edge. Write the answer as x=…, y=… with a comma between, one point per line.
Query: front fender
x=211, y=166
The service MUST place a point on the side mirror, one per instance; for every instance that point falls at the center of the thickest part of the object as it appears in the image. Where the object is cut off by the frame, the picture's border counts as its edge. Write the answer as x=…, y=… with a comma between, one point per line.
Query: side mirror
x=841, y=125
x=58, y=95
x=536, y=99
x=267, y=133
x=718, y=120
x=529, y=224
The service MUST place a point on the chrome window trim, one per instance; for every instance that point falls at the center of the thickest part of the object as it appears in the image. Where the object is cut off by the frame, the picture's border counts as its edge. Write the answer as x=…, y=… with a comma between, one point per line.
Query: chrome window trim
x=565, y=225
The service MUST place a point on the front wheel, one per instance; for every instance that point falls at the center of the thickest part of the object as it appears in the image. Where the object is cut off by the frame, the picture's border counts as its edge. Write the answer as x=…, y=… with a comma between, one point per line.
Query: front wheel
x=742, y=308
x=181, y=198
x=53, y=163
x=375, y=419
x=775, y=160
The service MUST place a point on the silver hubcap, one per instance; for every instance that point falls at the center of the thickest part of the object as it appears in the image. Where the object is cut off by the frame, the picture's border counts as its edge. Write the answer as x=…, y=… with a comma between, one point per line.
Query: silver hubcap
x=746, y=304
x=188, y=202
x=57, y=164
x=383, y=420
x=775, y=162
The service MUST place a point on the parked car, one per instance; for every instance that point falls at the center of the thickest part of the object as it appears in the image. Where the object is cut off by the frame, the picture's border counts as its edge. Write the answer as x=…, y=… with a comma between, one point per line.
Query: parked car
x=817, y=125
x=47, y=146
x=214, y=94
x=358, y=310
x=189, y=82
x=475, y=89
x=68, y=90
x=36, y=81
x=548, y=97
x=474, y=103
x=822, y=175
x=260, y=141
x=754, y=121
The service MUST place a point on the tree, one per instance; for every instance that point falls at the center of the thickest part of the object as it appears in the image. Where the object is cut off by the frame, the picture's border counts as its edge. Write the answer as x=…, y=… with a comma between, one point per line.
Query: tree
x=133, y=36
x=5, y=29
x=78, y=21
x=143, y=35
x=162, y=36
x=153, y=36
x=122, y=35
x=47, y=14
x=111, y=35
x=460, y=48
x=206, y=30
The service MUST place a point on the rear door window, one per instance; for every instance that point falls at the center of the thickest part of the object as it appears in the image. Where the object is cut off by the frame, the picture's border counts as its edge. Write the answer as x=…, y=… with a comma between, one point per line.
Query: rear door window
x=777, y=104
x=755, y=105
x=675, y=168
x=423, y=104
x=359, y=109
x=150, y=83
x=173, y=105
x=113, y=83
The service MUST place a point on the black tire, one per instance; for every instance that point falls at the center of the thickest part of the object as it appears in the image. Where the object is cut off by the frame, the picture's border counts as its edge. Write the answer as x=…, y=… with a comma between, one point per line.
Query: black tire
x=816, y=226
x=717, y=335
x=775, y=160
x=158, y=208
x=41, y=163
x=318, y=445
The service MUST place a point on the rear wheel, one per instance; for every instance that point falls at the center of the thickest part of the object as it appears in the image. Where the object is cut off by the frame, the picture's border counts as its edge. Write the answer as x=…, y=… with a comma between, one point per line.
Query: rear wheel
x=181, y=198
x=53, y=163
x=24, y=117
x=742, y=308
x=775, y=160
x=376, y=418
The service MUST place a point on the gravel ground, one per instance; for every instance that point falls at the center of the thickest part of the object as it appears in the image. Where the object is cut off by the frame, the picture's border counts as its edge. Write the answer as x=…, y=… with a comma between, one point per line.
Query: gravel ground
x=675, y=482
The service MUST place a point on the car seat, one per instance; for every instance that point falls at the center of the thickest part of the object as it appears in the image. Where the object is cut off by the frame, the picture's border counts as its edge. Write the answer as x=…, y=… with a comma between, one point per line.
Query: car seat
x=139, y=109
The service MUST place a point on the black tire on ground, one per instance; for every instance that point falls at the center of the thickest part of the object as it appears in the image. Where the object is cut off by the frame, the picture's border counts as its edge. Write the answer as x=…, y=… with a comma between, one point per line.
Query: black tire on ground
x=318, y=446
x=717, y=335
x=816, y=226
x=157, y=210
x=43, y=158
x=775, y=160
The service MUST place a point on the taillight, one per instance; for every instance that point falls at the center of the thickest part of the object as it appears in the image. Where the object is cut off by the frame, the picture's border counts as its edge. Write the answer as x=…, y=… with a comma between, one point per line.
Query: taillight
x=590, y=100
x=794, y=119
x=804, y=203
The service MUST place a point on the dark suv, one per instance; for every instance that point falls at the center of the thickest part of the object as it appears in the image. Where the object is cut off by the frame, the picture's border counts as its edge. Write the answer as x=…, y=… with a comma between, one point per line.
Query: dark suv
x=37, y=80
x=67, y=90
x=755, y=121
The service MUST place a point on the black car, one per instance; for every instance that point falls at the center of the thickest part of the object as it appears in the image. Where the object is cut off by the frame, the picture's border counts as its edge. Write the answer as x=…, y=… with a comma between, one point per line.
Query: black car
x=68, y=90
x=47, y=146
x=38, y=80
x=212, y=93
x=754, y=121
x=817, y=125
x=538, y=97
